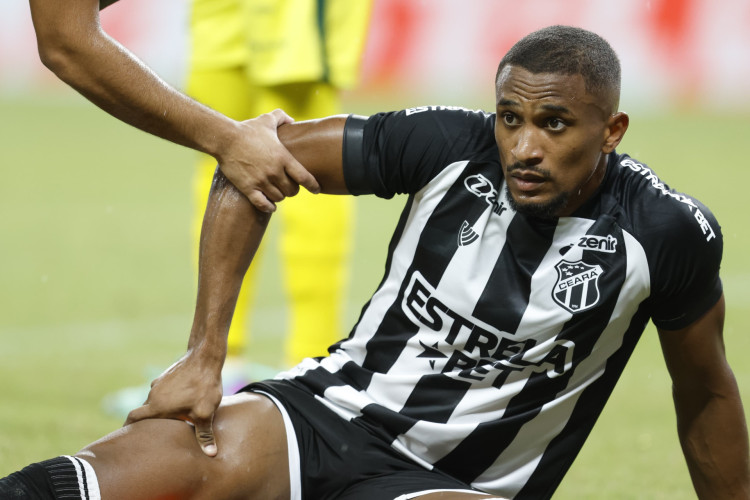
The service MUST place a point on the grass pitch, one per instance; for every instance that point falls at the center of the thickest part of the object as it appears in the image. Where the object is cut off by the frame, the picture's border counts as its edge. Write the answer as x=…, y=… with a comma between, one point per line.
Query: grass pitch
x=97, y=282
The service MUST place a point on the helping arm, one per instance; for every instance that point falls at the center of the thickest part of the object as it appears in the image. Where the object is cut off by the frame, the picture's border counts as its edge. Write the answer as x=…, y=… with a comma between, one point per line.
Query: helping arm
x=232, y=230
x=73, y=45
x=710, y=418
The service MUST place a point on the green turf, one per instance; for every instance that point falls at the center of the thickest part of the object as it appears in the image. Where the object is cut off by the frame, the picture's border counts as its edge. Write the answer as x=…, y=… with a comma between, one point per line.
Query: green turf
x=97, y=288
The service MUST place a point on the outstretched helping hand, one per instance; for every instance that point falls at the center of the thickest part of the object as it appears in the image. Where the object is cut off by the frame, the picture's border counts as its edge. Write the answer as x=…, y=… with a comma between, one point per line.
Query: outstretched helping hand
x=260, y=166
x=189, y=390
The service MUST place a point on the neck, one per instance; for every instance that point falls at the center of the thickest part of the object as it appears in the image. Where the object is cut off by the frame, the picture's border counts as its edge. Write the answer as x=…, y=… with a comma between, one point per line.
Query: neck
x=588, y=187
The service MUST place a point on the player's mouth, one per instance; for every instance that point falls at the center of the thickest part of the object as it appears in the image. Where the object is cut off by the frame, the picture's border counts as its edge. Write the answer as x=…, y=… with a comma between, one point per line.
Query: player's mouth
x=526, y=181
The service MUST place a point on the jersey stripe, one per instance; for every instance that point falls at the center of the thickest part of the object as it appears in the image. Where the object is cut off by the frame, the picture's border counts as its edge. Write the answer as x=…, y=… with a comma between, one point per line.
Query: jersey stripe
x=513, y=273
x=432, y=246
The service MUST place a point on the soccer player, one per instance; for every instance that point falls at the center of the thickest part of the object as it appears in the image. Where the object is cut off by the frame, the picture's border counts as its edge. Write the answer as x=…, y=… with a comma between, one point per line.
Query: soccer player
x=74, y=46
x=529, y=257
x=249, y=57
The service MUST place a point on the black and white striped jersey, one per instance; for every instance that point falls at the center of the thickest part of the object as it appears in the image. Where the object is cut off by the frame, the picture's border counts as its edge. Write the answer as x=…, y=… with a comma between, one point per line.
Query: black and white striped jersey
x=494, y=339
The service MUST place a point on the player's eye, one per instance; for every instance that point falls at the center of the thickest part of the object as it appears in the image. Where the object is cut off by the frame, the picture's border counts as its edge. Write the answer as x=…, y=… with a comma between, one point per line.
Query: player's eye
x=509, y=119
x=555, y=124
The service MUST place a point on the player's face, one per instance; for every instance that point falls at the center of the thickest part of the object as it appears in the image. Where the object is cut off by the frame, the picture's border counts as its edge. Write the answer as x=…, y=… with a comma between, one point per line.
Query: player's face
x=553, y=137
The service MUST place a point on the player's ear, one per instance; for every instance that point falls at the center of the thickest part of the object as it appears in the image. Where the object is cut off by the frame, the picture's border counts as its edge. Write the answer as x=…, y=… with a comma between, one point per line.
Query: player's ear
x=617, y=125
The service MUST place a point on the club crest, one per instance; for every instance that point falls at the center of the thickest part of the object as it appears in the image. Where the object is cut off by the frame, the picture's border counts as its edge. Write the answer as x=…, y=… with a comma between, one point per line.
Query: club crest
x=577, y=285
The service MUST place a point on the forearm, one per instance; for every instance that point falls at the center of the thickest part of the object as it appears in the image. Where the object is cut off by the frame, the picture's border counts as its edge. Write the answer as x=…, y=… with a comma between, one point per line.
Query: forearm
x=232, y=230
x=73, y=45
x=191, y=388
x=714, y=440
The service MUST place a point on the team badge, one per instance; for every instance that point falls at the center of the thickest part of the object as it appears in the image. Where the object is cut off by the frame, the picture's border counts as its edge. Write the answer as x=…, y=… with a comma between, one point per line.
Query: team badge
x=577, y=285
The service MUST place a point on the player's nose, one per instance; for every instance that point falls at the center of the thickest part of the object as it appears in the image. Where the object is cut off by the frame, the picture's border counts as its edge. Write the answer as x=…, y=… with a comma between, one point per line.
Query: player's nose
x=527, y=146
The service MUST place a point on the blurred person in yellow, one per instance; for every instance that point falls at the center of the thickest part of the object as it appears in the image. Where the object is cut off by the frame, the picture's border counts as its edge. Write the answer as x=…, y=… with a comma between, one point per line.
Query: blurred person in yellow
x=249, y=57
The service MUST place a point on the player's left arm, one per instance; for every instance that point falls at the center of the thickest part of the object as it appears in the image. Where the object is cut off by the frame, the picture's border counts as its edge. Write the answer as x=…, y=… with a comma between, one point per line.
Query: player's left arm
x=710, y=417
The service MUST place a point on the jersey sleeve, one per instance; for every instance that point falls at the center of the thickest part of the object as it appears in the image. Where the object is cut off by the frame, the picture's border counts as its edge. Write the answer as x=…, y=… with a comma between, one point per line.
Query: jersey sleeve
x=686, y=273
x=399, y=152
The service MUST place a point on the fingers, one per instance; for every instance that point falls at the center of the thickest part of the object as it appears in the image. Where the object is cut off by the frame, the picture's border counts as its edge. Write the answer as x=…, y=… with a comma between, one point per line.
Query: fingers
x=289, y=175
x=140, y=413
x=280, y=117
x=292, y=167
x=264, y=170
x=301, y=176
x=259, y=200
x=278, y=186
x=297, y=175
x=204, y=432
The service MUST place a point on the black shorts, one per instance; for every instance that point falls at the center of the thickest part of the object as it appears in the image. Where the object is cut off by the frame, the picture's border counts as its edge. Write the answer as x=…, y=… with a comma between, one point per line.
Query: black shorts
x=341, y=460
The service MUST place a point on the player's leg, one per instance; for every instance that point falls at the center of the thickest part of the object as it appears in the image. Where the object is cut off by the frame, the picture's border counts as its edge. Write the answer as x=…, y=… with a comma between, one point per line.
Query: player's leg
x=315, y=238
x=161, y=458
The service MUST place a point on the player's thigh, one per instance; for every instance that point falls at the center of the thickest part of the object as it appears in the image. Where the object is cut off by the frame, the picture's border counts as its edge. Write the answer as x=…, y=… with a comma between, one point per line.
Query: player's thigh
x=160, y=458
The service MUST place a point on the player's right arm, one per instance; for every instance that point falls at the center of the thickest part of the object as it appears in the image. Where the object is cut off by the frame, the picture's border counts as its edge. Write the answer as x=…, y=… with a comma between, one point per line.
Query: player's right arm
x=73, y=45
x=711, y=420
x=232, y=229
x=689, y=312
